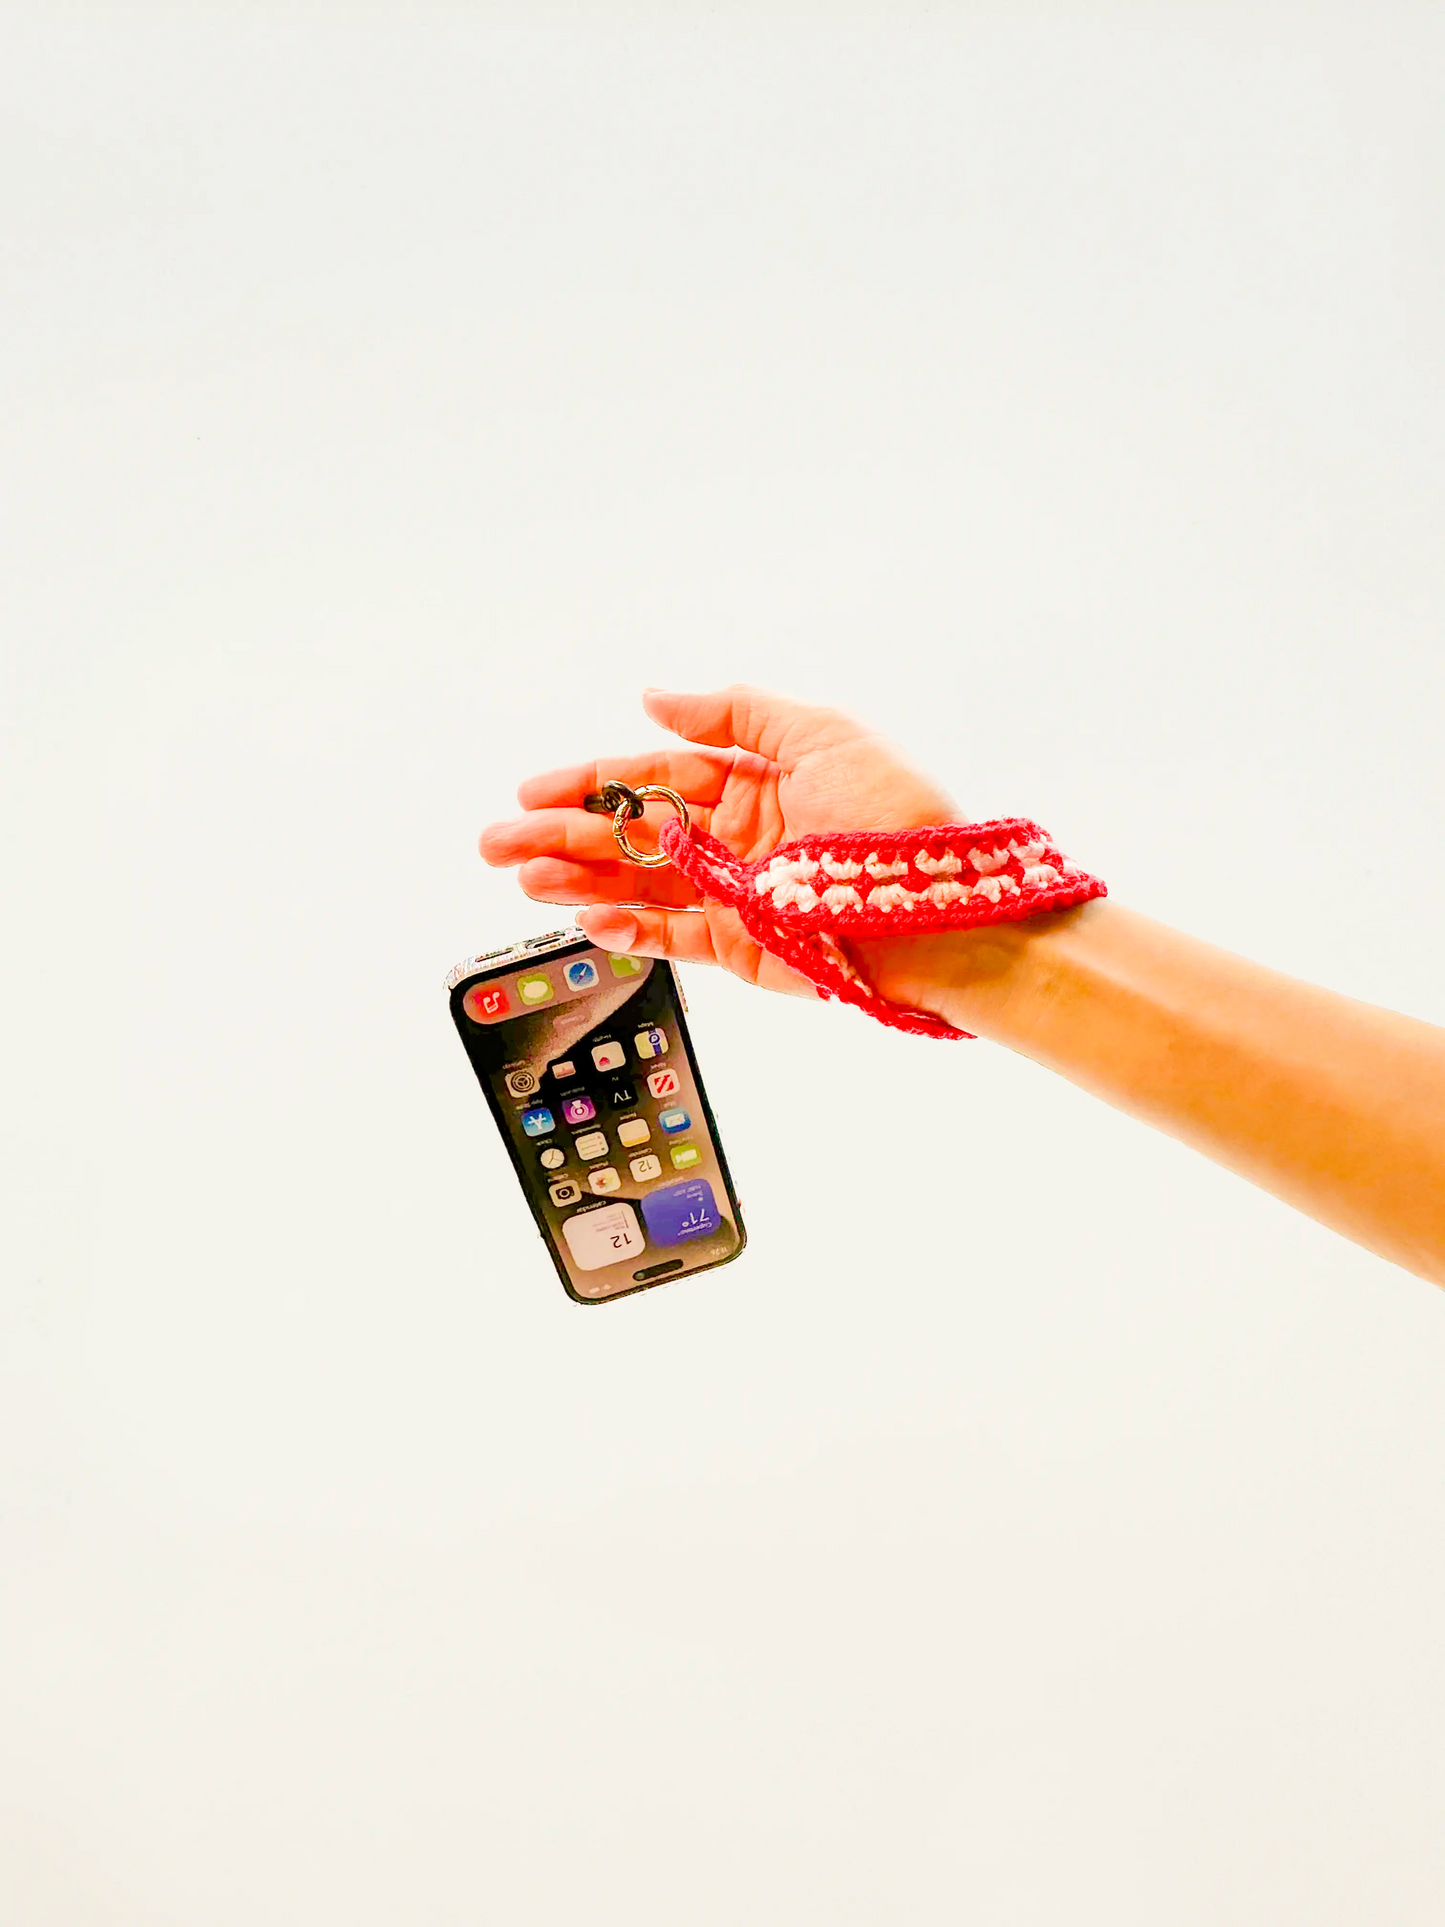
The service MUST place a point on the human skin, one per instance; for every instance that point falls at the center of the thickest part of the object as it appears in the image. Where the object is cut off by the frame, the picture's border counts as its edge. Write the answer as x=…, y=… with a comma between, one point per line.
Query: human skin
x=1333, y=1105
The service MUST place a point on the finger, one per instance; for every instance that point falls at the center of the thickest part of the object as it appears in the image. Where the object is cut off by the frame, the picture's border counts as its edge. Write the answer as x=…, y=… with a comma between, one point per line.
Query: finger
x=649, y=933
x=715, y=937
x=754, y=719
x=575, y=834
x=697, y=777
x=550, y=880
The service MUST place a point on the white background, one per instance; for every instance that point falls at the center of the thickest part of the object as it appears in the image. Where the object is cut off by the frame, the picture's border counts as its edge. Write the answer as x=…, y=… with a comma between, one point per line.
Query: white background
x=1037, y=1525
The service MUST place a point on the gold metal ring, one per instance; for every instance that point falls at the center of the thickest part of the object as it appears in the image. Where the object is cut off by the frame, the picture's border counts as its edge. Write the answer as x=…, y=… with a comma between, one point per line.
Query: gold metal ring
x=625, y=812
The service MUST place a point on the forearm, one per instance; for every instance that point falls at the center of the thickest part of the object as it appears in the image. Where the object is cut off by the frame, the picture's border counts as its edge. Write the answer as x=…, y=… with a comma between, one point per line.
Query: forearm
x=1333, y=1105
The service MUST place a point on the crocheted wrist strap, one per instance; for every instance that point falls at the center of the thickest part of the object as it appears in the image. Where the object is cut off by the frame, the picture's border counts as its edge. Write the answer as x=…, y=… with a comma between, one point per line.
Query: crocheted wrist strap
x=808, y=898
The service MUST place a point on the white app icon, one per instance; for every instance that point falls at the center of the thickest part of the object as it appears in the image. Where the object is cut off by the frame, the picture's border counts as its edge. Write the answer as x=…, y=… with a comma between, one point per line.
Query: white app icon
x=564, y=1068
x=662, y=1083
x=608, y=1056
x=564, y=1191
x=580, y=974
x=646, y=1167
x=521, y=1083
x=553, y=1158
x=603, y=1178
x=650, y=1043
x=592, y=1144
x=605, y=1237
x=635, y=1131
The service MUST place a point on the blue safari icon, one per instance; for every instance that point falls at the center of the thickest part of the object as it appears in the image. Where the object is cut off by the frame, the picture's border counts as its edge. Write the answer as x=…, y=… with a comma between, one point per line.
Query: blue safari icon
x=538, y=1121
x=580, y=974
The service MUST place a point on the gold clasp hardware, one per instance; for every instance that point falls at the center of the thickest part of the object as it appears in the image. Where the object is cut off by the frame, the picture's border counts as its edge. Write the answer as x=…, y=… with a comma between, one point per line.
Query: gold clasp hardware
x=624, y=805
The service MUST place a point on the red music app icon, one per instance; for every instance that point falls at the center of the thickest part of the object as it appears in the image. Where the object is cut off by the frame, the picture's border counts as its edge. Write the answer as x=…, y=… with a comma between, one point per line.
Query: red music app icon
x=485, y=1003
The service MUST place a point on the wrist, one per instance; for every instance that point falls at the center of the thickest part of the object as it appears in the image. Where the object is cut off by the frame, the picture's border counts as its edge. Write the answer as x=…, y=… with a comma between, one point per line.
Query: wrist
x=985, y=980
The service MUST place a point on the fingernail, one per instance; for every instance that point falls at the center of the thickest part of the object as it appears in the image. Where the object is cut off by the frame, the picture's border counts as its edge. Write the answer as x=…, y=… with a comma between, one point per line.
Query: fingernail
x=603, y=924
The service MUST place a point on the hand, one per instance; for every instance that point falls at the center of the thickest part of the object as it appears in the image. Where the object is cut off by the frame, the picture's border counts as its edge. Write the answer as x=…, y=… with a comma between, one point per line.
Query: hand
x=773, y=770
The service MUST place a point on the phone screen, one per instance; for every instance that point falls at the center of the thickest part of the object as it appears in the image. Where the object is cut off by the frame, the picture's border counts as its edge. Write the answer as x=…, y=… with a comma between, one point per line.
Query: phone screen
x=588, y=1066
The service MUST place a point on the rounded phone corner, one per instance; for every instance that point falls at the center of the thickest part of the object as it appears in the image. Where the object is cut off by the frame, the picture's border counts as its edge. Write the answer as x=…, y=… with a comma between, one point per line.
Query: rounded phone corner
x=578, y=1299
x=740, y=1247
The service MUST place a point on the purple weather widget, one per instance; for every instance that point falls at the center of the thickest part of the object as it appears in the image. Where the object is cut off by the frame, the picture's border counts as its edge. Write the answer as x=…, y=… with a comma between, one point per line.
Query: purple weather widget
x=678, y=1212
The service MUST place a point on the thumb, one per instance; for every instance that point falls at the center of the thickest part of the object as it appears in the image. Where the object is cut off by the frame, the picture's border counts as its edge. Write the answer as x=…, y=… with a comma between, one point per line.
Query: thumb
x=741, y=717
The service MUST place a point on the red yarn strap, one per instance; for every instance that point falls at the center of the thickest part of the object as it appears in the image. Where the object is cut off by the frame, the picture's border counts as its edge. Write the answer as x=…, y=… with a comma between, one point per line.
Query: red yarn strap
x=808, y=898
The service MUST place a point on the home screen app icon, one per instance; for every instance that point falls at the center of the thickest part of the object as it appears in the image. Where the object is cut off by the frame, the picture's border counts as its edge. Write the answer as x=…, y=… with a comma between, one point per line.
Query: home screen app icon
x=485, y=1003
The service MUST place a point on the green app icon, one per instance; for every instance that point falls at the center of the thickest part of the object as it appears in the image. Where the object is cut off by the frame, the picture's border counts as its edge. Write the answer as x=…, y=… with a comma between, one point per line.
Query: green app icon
x=624, y=966
x=683, y=1155
x=534, y=990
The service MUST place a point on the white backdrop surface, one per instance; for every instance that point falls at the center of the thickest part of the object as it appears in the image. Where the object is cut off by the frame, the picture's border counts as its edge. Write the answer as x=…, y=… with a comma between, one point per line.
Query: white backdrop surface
x=1037, y=1524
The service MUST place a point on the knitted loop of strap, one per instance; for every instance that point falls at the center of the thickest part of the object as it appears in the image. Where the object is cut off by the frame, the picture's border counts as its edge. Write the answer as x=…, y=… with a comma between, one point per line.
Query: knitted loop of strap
x=808, y=898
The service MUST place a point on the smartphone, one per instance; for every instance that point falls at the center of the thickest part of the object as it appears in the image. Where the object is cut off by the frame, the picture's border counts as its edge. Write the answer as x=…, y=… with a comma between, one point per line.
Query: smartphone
x=586, y=1062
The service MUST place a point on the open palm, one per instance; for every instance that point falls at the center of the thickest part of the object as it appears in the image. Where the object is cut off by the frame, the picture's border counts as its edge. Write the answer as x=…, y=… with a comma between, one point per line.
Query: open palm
x=769, y=770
